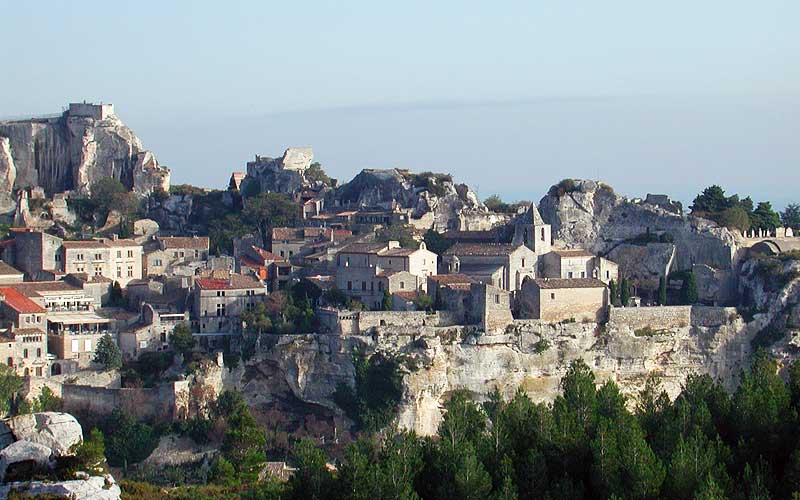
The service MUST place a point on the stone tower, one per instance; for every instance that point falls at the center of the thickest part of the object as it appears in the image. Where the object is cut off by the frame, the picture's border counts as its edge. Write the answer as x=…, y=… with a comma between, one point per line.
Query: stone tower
x=531, y=231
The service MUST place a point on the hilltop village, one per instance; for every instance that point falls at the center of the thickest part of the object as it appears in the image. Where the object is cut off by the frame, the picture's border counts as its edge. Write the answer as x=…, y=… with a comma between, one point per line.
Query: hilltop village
x=120, y=292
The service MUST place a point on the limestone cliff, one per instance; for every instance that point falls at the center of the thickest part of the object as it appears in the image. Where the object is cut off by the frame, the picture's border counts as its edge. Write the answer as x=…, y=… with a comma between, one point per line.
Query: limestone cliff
x=589, y=214
x=434, y=199
x=73, y=150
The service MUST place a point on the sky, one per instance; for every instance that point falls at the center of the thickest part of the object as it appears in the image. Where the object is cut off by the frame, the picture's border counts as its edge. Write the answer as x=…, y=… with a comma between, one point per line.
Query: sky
x=508, y=96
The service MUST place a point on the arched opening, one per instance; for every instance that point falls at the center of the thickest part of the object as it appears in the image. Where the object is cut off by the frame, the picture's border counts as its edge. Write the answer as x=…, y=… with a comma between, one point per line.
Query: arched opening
x=55, y=369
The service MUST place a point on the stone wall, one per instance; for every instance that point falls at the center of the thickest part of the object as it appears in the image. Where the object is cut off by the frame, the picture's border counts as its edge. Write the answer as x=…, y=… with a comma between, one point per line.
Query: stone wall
x=670, y=317
x=158, y=402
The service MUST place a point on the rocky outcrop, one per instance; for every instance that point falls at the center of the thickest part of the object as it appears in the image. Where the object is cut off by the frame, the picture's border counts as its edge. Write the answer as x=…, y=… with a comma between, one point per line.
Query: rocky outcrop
x=58, y=431
x=90, y=488
x=281, y=175
x=32, y=444
x=434, y=199
x=73, y=150
x=590, y=215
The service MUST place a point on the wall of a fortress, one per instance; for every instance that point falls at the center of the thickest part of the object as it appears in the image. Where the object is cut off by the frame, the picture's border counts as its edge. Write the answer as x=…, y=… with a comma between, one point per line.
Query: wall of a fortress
x=158, y=402
x=669, y=317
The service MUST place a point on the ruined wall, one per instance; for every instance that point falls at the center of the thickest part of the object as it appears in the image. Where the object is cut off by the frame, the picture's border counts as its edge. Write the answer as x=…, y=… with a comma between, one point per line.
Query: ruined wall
x=158, y=402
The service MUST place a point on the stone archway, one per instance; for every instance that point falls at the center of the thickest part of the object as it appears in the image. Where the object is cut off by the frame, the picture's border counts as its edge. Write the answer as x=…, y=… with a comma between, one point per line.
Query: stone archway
x=55, y=369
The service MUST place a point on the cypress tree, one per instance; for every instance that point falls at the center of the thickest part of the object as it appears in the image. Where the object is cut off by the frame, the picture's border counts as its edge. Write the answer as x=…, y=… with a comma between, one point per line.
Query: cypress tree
x=613, y=291
x=624, y=292
x=689, y=289
x=662, y=291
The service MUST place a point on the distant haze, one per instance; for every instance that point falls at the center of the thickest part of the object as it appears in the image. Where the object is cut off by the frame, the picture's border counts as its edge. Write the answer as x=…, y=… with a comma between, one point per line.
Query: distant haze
x=508, y=96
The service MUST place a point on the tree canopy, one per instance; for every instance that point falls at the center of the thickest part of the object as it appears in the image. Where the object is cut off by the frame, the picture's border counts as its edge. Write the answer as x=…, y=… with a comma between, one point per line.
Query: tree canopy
x=733, y=212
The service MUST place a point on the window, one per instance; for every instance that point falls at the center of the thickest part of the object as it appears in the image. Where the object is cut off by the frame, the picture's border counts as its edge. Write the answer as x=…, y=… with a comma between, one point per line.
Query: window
x=142, y=344
x=38, y=371
x=130, y=254
x=282, y=253
x=542, y=234
x=130, y=271
x=219, y=326
x=76, y=346
x=119, y=273
x=364, y=286
x=608, y=274
x=196, y=254
x=98, y=256
x=10, y=362
x=583, y=274
x=497, y=298
x=25, y=353
x=27, y=319
x=157, y=262
x=98, y=271
x=87, y=345
x=347, y=262
x=523, y=262
x=569, y=274
x=402, y=285
x=552, y=296
x=119, y=254
x=38, y=352
x=38, y=319
x=175, y=255
x=220, y=310
x=349, y=285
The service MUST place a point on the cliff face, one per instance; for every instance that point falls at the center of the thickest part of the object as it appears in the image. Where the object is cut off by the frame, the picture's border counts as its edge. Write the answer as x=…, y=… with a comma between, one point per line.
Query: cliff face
x=71, y=152
x=590, y=215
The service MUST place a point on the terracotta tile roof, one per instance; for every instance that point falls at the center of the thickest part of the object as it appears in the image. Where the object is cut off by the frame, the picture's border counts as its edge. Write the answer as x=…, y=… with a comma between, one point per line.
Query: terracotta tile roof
x=451, y=279
x=265, y=254
x=35, y=288
x=397, y=252
x=235, y=282
x=573, y=252
x=83, y=244
x=20, y=303
x=481, y=249
x=286, y=233
x=194, y=242
x=6, y=270
x=546, y=283
x=406, y=294
x=362, y=248
x=121, y=242
x=473, y=236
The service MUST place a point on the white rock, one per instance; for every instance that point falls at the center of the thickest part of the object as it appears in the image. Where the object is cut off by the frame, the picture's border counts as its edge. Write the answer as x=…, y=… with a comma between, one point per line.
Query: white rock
x=23, y=451
x=94, y=488
x=58, y=431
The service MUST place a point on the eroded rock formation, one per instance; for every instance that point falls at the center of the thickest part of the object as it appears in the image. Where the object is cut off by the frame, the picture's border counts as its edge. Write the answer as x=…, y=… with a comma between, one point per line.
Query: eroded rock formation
x=73, y=150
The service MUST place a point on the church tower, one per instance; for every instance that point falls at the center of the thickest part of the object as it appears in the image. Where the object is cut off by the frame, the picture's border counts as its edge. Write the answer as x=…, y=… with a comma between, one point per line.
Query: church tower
x=531, y=231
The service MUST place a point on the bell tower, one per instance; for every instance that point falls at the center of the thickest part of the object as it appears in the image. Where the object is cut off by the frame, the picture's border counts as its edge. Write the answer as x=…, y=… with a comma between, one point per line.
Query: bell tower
x=532, y=232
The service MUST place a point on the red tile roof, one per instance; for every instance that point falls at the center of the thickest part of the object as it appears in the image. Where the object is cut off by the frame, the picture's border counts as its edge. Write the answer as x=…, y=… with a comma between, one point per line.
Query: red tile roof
x=19, y=302
x=572, y=252
x=235, y=282
x=481, y=249
x=451, y=279
x=569, y=283
x=195, y=242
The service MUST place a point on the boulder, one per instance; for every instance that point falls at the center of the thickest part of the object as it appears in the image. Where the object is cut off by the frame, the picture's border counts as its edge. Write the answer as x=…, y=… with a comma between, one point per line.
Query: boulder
x=145, y=227
x=92, y=488
x=55, y=430
x=23, y=454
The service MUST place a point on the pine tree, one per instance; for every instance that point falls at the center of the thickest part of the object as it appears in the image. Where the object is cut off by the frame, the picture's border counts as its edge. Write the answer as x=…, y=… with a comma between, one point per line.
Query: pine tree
x=107, y=353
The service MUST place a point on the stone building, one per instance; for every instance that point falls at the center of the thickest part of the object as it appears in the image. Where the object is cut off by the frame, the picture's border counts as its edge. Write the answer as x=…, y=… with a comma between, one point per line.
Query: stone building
x=367, y=271
x=578, y=263
x=43, y=256
x=23, y=338
x=502, y=265
x=162, y=254
x=73, y=325
x=151, y=333
x=292, y=243
x=530, y=230
x=555, y=300
x=219, y=301
x=490, y=307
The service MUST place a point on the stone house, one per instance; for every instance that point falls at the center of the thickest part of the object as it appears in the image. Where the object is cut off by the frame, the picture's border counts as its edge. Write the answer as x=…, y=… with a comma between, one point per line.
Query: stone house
x=73, y=325
x=218, y=303
x=290, y=243
x=270, y=268
x=36, y=252
x=119, y=260
x=447, y=291
x=367, y=271
x=162, y=254
x=578, y=263
x=499, y=264
x=151, y=333
x=23, y=340
x=555, y=300
x=490, y=307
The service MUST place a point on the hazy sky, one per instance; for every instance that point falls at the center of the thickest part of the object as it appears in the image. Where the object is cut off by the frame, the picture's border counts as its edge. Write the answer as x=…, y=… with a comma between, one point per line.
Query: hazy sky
x=507, y=96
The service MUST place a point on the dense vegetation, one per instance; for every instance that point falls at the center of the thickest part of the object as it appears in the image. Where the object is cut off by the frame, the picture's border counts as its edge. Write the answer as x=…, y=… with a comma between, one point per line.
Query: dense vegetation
x=734, y=213
x=589, y=443
x=496, y=204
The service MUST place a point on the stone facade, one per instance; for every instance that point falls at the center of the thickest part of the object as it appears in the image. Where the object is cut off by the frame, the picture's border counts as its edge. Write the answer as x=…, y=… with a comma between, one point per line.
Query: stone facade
x=555, y=300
